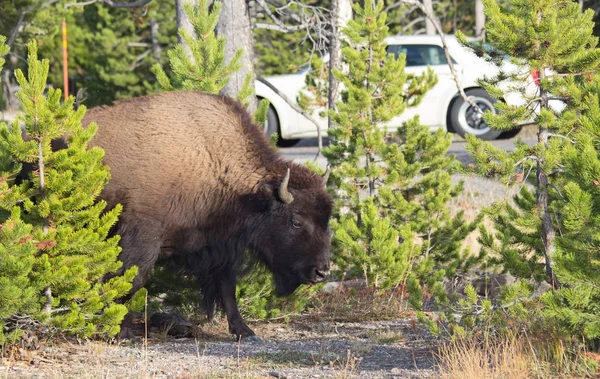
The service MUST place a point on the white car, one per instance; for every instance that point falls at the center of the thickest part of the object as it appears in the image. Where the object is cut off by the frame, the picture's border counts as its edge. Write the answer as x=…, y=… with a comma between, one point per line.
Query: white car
x=441, y=107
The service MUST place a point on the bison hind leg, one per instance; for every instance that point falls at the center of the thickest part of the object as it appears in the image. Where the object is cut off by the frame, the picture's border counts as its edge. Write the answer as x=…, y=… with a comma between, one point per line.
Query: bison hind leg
x=210, y=296
x=215, y=270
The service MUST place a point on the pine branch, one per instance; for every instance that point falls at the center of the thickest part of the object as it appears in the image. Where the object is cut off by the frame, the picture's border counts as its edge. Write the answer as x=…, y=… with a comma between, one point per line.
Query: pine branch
x=529, y=157
x=82, y=4
x=279, y=23
x=413, y=23
x=137, y=4
x=561, y=136
x=575, y=73
x=138, y=60
x=277, y=28
x=110, y=3
x=557, y=190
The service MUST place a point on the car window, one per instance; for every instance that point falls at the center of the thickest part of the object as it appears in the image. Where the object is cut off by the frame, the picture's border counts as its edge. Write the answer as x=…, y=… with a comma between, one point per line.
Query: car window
x=420, y=55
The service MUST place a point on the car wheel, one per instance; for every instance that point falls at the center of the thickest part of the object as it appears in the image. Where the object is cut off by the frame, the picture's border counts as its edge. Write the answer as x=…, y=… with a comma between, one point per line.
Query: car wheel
x=465, y=120
x=272, y=126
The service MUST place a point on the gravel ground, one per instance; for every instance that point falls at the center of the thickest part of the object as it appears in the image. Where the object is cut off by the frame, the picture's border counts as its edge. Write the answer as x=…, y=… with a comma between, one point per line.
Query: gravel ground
x=309, y=349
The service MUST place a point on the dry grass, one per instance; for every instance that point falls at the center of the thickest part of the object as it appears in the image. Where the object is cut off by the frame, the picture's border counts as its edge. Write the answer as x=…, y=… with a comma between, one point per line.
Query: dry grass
x=512, y=358
x=469, y=360
x=348, y=368
x=359, y=304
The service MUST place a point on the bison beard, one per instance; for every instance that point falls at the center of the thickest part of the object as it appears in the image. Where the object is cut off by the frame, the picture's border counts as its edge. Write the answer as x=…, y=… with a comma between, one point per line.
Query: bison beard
x=199, y=180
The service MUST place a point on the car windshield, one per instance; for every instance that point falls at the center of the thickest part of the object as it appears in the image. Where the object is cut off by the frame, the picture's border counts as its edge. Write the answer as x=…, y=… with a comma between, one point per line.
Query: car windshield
x=420, y=55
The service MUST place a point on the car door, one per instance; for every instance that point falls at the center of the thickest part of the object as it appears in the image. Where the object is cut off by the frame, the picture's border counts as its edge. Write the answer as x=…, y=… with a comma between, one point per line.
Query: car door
x=432, y=109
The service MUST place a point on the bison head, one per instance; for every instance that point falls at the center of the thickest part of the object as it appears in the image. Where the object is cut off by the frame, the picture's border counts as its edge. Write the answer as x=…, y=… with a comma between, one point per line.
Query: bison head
x=295, y=237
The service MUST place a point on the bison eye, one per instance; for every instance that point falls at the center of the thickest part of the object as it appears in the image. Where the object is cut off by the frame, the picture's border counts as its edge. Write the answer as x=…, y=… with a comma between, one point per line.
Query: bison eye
x=295, y=223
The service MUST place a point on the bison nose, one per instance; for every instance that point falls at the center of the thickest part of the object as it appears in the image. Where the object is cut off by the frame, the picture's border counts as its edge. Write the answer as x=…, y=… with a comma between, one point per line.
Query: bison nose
x=320, y=275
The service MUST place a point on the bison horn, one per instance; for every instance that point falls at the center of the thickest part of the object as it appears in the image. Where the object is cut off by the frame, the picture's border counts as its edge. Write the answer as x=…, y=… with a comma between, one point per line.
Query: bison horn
x=326, y=176
x=284, y=194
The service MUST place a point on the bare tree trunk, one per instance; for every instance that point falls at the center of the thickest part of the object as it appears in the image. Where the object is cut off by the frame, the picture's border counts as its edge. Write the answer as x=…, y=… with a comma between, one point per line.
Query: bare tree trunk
x=429, y=27
x=9, y=85
x=479, y=19
x=183, y=22
x=341, y=14
x=454, y=17
x=154, y=37
x=234, y=25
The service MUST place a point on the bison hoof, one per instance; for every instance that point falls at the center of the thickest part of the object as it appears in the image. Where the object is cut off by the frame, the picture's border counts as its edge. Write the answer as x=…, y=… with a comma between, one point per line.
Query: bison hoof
x=241, y=331
x=126, y=333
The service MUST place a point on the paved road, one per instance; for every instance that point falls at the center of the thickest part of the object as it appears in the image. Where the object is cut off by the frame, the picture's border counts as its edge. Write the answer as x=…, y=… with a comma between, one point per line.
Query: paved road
x=307, y=149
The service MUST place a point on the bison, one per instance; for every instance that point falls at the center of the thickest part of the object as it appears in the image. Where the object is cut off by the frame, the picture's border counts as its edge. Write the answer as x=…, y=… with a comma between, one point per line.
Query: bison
x=200, y=183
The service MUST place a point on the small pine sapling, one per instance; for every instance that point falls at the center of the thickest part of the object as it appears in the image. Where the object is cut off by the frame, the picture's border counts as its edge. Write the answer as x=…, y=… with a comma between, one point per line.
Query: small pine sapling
x=64, y=250
x=17, y=249
x=574, y=307
x=393, y=226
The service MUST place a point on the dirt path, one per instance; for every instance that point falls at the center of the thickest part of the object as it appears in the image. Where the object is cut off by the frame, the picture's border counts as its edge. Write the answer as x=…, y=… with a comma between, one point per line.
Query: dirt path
x=381, y=349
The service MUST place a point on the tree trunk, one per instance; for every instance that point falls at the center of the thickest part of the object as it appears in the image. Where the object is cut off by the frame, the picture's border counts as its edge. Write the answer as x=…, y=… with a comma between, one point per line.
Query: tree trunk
x=479, y=19
x=548, y=232
x=234, y=25
x=9, y=85
x=429, y=27
x=183, y=22
x=341, y=11
x=154, y=37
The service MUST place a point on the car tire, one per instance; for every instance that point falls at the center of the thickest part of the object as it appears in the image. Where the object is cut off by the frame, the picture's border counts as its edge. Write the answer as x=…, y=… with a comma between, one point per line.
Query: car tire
x=272, y=126
x=464, y=120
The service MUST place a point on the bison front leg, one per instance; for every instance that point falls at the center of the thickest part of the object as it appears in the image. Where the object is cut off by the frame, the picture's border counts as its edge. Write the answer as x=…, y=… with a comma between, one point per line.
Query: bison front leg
x=226, y=281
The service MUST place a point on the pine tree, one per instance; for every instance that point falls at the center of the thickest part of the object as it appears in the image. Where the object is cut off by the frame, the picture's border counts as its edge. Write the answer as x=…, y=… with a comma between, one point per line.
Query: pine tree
x=206, y=70
x=17, y=250
x=54, y=231
x=574, y=307
x=548, y=233
x=393, y=227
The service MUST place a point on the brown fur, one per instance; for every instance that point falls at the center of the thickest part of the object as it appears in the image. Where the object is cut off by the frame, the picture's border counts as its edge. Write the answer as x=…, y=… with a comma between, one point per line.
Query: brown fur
x=196, y=176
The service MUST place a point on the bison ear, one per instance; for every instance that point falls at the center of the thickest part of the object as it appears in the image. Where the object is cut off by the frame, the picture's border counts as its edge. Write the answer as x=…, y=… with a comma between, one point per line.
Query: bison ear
x=264, y=198
x=266, y=190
